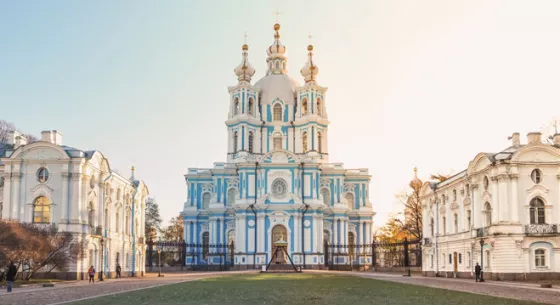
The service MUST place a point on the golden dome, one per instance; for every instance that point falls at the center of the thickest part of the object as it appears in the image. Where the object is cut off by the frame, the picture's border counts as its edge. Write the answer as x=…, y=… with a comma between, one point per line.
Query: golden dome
x=277, y=27
x=310, y=47
x=245, y=47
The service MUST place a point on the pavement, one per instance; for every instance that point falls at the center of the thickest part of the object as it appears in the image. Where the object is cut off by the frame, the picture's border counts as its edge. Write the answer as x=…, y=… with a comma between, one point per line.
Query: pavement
x=508, y=290
x=67, y=292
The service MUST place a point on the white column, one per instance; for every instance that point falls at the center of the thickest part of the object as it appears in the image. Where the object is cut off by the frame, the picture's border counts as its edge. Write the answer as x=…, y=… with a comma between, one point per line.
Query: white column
x=7, y=199
x=314, y=233
x=297, y=233
x=187, y=231
x=476, y=212
x=16, y=178
x=502, y=186
x=320, y=246
x=513, y=200
x=335, y=233
x=495, y=201
x=346, y=232
x=195, y=233
x=261, y=233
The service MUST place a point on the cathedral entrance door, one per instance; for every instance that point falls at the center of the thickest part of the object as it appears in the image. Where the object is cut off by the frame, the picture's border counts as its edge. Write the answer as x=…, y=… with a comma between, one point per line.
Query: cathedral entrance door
x=279, y=233
x=326, y=239
x=455, y=268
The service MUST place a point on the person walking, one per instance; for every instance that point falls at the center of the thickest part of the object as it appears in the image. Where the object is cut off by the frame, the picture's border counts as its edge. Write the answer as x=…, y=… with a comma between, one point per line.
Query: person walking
x=91, y=273
x=118, y=271
x=11, y=275
x=477, y=271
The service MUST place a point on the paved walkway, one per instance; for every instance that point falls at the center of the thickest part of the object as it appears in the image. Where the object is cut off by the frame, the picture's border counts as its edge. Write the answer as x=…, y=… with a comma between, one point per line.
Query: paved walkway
x=79, y=290
x=510, y=290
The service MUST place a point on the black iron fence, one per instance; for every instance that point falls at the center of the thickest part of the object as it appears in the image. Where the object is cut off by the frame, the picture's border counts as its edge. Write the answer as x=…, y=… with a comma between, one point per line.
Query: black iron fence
x=378, y=255
x=190, y=256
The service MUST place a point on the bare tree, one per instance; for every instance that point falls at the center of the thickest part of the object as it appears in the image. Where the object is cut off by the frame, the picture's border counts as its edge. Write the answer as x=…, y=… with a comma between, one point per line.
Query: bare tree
x=5, y=129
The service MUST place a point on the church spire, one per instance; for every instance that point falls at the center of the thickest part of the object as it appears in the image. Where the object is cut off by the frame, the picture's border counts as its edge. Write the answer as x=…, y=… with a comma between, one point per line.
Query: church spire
x=244, y=71
x=310, y=70
x=276, y=59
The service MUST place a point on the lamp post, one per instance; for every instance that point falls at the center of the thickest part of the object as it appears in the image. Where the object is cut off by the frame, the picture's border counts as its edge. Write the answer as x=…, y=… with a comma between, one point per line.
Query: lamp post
x=481, y=260
x=159, y=261
x=102, y=243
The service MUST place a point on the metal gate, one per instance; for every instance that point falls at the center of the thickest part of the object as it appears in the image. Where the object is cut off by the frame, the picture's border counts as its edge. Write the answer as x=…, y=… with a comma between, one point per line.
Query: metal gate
x=203, y=256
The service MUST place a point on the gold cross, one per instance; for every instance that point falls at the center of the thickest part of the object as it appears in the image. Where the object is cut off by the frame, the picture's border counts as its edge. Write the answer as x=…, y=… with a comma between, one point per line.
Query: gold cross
x=278, y=13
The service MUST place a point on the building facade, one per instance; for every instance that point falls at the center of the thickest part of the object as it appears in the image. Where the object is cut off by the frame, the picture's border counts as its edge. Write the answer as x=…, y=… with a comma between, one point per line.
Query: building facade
x=277, y=182
x=46, y=182
x=505, y=206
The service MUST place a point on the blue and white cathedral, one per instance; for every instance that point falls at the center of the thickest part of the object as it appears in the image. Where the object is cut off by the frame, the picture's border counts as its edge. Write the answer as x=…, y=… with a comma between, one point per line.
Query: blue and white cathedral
x=277, y=183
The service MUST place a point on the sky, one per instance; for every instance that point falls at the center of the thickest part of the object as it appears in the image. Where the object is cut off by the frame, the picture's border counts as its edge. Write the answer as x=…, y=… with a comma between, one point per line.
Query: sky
x=411, y=83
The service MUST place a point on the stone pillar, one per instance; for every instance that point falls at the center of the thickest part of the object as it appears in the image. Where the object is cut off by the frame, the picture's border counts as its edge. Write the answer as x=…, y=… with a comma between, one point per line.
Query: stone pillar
x=319, y=231
x=195, y=233
x=476, y=212
x=15, y=204
x=514, y=203
x=7, y=213
x=503, y=197
x=335, y=233
x=64, y=205
x=261, y=232
x=187, y=231
x=495, y=201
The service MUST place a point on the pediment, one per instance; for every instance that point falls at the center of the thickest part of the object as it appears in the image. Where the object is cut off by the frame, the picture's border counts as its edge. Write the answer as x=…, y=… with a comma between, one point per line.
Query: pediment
x=537, y=153
x=537, y=188
x=41, y=190
x=279, y=156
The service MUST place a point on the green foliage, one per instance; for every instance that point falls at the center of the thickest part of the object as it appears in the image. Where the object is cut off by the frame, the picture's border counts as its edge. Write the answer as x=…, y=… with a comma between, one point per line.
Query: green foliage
x=153, y=219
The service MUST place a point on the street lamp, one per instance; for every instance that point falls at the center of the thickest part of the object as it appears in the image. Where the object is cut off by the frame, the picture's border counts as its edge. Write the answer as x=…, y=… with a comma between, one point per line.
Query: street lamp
x=481, y=260
x=102, y=242
x=159, y=261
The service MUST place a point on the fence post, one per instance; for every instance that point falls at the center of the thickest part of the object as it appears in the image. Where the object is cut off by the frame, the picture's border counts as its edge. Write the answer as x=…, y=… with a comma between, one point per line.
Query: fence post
x=406, y=257
x=183, y=249
x=373, y=255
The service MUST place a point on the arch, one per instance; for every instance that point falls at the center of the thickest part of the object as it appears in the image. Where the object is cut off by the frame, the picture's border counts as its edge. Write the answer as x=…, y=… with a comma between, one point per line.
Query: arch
x=350, y=200
x=546, y=153
x=206, y=200
x=23, y=149
x=304, y=106
x=205, y=245
x=279, y=232
x=536, y=211
x=251, y=106
x=351, y=244
x=304, y=141
x=42, y=210
x=326, y=193
x=250, y=144
x=91, y=213
x=277, y=141
x=231, y=196
x=231, y=237
x=319, y=107
x=320, y=142
x=277, y=112
x=236, y=106
x=488, y=213
x=235, y=139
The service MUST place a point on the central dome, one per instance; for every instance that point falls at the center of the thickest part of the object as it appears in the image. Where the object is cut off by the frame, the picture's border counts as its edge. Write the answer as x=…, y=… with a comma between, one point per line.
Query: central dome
x=274, y=86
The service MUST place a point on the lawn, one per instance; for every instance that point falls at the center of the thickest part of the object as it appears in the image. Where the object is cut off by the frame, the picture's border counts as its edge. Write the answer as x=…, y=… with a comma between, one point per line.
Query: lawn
x=292, y=289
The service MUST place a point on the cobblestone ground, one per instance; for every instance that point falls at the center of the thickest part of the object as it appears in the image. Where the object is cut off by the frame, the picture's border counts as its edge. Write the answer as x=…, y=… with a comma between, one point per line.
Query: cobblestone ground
x=510, y=290
x=65, y=293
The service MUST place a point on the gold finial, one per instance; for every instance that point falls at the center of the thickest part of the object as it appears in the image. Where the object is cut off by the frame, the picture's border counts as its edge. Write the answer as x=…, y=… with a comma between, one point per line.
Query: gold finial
x=245, y=47
x=132, y=168
x=277, y=27
x=310, y=47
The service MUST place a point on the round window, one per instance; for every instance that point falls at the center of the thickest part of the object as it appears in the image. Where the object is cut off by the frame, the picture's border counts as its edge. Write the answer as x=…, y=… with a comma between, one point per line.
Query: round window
x=42, y=175
x=536, y=176
x=279, y=188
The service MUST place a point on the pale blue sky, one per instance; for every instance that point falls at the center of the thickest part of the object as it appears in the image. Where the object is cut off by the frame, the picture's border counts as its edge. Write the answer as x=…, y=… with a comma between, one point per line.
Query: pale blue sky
x=411, y=83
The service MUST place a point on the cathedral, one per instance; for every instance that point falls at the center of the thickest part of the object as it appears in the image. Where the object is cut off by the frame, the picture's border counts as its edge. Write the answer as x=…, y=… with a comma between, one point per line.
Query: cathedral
x=277, y=183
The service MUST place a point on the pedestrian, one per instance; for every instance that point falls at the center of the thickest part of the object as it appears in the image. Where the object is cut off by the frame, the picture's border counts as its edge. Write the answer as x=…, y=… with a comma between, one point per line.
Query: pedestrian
x=91, y=273
x=118, y=271
x=477, y=271
x=11, y=275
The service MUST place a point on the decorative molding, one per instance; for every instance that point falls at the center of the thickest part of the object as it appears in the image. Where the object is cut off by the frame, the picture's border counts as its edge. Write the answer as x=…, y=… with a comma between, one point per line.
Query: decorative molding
x=204, y=227
x=325, y=182
x=207, y=187
x=352, y=228
x=349, y=187
x=467, y=201
x=327, y=225
x=41, y=190
x=537, y=188
x=454, y=205
x=230, y=225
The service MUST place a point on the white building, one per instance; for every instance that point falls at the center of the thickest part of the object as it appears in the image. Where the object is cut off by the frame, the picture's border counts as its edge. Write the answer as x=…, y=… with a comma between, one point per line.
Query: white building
x=511, y=201
x=277, y=182
x=46, y=182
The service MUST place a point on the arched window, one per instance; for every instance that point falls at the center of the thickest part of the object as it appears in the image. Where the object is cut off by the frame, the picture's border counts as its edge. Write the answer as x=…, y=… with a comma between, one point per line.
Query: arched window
x=485, y=183
x=304, y=142
x=537, y=211
x=277, y=64
x=488, y=212
x=304, y=106
x=118, y=221
x=320, y=142
x=119, y=194
x=326, y=196
x=468, y=219
x=205, y=244
x=277, y=141
x=351, y=243
x=231, y=237
x=251, y=105
x=444, y=221
x=236, y=106
x=540, y=258
x=206, y=200
x=467, y=190
x=106, y=218
x=250, y=144
x=231, y=196
x=277, y=112
x=350, y=200
x=127, y=221
x=455, y=223
x=42, y=210
x=432, y=226
x=319, y=107
x=454, y=195
x=235, y=137
x=91, y=214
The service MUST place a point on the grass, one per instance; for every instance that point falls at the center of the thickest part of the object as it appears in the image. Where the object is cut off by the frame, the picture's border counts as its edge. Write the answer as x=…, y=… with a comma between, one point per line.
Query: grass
x=293, y=289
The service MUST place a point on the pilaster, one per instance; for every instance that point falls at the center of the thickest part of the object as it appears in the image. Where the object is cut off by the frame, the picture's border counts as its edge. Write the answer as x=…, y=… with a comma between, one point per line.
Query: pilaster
x=15, y=206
